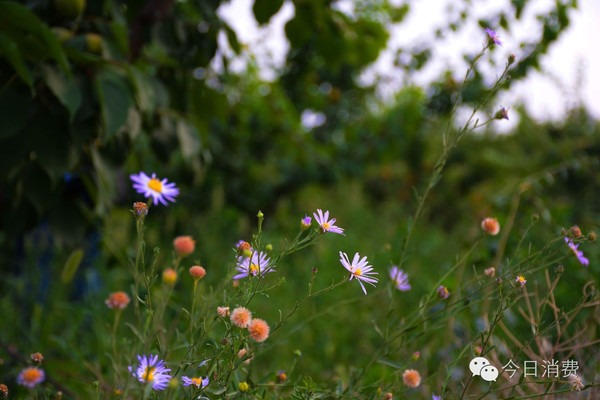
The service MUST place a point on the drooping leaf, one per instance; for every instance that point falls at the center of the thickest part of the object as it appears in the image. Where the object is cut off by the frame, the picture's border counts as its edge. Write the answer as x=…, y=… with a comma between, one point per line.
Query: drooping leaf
x=71, y=265
x=10, y=50
x=115, y=98
x=265, y=9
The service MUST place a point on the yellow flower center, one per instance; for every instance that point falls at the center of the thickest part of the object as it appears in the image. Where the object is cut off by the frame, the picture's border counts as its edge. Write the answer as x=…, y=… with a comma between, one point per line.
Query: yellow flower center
x=31, y=375
x=149, y=374
x=358, y=272
x=197, y=381
x=325, y=225
x=155, y=185
x=254, y=269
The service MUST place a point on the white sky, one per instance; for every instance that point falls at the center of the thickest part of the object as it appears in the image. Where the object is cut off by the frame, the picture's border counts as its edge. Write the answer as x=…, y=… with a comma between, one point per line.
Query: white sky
x=569, y=71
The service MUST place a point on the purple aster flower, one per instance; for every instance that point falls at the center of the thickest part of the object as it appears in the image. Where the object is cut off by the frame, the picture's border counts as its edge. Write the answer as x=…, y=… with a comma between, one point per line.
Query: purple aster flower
x=255, y=265
x=151, y=370
x=521, y=280
x=443, y=292
x=199, y=381
x=493, y=36
x=305, y=222
x=327, y=224
x=31, y=377
x=159, y=190
x=359, y=269
x=399, y=278
x=579, y=254
x=434, y=397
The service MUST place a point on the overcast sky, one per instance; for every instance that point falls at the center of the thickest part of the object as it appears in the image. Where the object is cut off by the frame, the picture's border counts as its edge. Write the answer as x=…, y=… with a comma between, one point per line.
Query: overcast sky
x=570, y=72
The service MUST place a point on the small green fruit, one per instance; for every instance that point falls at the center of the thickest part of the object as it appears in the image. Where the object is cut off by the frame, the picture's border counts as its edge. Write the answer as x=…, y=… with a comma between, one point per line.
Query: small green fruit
x=94, y=43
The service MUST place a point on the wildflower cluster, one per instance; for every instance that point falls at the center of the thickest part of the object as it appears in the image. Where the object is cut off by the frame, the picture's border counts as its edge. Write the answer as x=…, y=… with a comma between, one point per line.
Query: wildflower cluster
x=189, y=338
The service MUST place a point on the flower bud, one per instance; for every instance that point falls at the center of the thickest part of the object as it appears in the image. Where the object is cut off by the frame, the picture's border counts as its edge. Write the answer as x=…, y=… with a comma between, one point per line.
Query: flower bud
x=502, y=113
x=443, y=292
x=197, y=272
x=490, y=225
x=37, y=358
x=118, y=300
x=576, y=232
x=140, y=209
x=184, y=245
x=169, y=277
x=305, y=222
x=281, y=376
x=592, y=236
x=223, y=312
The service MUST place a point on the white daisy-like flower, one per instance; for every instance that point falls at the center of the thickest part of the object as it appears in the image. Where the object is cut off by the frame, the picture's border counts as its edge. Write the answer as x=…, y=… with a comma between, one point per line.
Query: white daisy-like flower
x=359, y=269
x=150, y=186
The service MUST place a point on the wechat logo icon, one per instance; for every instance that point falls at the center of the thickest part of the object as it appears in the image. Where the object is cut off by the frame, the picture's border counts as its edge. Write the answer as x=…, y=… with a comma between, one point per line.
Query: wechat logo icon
x=482, y=367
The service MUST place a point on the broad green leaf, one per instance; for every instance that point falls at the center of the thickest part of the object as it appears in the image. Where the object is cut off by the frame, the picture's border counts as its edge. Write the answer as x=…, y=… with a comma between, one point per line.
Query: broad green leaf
x=115, y=99
x=71, y=265
x=19, y=16
x=9, y=49
x=145, y=95
x=64, y=88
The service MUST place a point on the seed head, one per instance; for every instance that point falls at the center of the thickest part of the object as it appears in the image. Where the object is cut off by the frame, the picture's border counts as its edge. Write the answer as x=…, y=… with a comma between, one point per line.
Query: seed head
x=184, y=245
x=241, y=317
x=197, y=272
x=37, y=358
x=118, y=300
x=491, y=226
x=411, y=378
x=259, y=330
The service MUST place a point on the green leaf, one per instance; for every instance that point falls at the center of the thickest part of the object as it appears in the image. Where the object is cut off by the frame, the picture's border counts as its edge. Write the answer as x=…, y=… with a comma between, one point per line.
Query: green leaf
x=14, y=107
x=71, y=265
x=17, y=15
x=232, y=39
x=115, y=98
x=265, y=9
x=12, y=54
x=145, y=95
x=64, y=88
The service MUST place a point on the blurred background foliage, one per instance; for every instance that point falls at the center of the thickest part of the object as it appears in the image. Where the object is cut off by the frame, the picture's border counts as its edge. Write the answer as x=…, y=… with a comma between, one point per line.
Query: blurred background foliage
x=90, y=93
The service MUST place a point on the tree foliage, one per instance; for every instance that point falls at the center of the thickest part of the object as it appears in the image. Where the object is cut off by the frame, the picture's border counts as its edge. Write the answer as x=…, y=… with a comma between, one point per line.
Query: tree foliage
x=88, y=97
